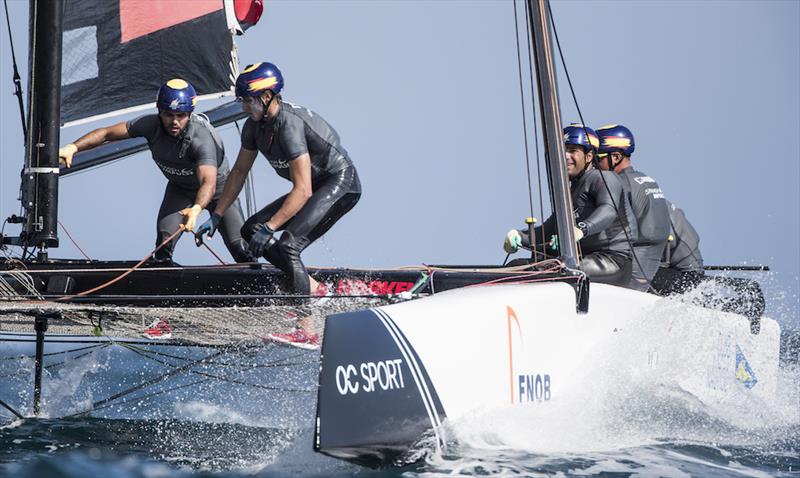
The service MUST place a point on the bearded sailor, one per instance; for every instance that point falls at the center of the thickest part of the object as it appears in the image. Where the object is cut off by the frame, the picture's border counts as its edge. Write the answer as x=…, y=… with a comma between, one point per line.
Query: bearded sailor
x=605, y=227
x=190, y=154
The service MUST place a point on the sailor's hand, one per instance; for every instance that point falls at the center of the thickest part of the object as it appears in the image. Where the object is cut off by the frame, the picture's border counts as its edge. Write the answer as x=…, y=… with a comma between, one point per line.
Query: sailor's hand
x=65, y=154
x=191, y=214
x=260, y=240
x=513, y=241
x=209, y=227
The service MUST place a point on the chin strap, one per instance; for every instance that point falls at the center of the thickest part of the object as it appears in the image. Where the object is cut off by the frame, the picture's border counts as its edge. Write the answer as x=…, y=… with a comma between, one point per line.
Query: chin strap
x=266, y=107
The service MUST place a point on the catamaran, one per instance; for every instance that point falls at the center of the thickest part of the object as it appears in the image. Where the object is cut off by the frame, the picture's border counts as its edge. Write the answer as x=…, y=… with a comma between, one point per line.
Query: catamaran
x=517, y=334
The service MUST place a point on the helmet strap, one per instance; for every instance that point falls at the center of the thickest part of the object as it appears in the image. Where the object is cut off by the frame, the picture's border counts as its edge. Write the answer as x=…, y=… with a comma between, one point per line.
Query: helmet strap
x=266, y=106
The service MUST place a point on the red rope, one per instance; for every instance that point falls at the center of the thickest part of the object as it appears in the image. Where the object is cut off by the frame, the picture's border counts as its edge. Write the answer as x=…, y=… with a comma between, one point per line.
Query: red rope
x=73, y=240
x=178, y=232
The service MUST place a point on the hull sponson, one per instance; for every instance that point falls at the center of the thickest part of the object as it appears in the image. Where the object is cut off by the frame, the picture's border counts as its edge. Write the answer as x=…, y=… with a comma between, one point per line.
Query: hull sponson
x=374, y=386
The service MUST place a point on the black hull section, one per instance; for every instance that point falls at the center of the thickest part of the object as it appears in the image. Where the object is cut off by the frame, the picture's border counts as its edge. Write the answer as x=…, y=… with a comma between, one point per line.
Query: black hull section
x=225, y=285
x=370, y=365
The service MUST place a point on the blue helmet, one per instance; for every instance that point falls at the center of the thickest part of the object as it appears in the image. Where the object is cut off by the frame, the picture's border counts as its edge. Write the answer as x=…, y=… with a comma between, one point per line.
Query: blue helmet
x=176, y=95
x=615, y=137
x=257, y=78
x=581, y=135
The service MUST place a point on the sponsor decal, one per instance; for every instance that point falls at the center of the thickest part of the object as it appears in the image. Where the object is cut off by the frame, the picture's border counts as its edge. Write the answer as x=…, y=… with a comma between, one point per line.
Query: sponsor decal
x=744, y=373
x=278, y=163
x=527, y=387
x=175, y=171
x=534, y=387
x=377, y=287
x=644, y=179
x=657, y=193
x=368, y=377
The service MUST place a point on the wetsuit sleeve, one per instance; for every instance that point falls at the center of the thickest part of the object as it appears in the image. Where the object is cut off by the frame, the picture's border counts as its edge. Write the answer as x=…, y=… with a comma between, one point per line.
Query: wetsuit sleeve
x=143, y=127
x=293, y=137
x=249, y=135
x=605, y=213
x=203, y=150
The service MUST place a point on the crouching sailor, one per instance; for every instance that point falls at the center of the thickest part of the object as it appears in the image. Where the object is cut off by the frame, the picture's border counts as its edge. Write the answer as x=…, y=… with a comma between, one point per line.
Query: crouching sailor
x=683, y=262
x=304, y=149
x=596, y=195
x=191, y=156
x=646, y=198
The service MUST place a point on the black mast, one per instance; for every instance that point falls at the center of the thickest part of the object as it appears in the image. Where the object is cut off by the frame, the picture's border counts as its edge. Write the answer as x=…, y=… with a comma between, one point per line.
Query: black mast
x=558, y=180
x=40, y=176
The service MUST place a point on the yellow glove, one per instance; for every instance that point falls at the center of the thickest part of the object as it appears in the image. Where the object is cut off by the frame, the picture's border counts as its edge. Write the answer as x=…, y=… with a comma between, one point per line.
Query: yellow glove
x=191, y=214
x=512, y=242
x=578, y=234
x=65, y=154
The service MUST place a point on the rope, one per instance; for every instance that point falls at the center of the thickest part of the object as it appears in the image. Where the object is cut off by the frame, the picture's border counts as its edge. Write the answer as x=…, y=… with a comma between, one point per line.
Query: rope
x=73, y=240
x=522, y=105
x=17, y=82
x=166, y=241
x=215, y=254
x=535, y=127
x=580, y=115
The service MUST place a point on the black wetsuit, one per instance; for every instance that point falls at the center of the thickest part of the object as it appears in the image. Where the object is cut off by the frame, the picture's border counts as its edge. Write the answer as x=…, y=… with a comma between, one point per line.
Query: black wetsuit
x=652, y=218
x=296, y=130
x=178, y=158
x=683, y=258
x=606, y=252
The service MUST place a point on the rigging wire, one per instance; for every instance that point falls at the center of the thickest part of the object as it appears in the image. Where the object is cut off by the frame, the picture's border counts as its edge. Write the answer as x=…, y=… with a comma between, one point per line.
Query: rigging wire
x=580, y=115
x=17, y=82
x=535, y=128
x=524, y=116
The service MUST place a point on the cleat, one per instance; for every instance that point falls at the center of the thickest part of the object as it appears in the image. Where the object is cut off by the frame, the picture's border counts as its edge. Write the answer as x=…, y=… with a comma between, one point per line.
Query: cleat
x=298, y=338
x=158, y=330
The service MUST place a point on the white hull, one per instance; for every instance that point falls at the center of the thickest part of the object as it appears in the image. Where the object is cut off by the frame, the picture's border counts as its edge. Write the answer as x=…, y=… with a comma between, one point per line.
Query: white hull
x=482, y=348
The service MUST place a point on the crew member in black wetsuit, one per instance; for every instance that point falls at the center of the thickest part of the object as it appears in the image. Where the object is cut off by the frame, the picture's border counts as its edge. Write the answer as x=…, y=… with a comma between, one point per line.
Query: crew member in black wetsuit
x=191, y=156
x=683, y=262
x=649, y=206
x=596, y=195
x=304, y=149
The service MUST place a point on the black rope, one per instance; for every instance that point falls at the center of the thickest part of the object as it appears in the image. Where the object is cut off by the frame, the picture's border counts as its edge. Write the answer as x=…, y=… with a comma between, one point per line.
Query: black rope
x=146, y=383
x=8, y=407
x=146, y=354
x=17, y=82
x=140, y=398
x=524, y=116
x=535, y=128
x=580, y=115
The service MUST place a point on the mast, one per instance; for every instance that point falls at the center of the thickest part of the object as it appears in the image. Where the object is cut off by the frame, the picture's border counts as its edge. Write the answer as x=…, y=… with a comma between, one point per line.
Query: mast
x=40, y=176
x=557, y=177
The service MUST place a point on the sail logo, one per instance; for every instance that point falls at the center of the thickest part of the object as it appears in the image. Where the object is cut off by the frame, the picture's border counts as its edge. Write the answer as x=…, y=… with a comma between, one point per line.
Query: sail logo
x=744, y=373
x=370, y=377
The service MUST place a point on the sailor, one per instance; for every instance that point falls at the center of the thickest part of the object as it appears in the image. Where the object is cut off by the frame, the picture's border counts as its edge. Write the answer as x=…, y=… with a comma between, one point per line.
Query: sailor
x=304, y=149
x=605, y=221
x=190, y=154
x=649, y=206
x=683, y=263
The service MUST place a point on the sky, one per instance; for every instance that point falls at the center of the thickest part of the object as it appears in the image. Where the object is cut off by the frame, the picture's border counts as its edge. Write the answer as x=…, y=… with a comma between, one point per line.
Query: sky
x=425, y=96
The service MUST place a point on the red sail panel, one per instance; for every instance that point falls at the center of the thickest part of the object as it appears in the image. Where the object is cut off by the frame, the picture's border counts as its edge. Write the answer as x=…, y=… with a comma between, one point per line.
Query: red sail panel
x=141, y=17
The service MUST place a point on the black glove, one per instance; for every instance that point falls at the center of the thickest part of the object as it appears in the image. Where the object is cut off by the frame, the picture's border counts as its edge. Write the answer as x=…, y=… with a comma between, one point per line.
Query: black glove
x=209, y=227
x=260, y=240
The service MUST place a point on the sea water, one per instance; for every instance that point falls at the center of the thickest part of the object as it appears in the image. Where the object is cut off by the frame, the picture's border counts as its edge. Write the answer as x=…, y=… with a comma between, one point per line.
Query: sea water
x=611, y=428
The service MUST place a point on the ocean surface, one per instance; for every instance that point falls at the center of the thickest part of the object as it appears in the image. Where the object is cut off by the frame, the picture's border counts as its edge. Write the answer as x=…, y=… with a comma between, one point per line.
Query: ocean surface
x=616, y=431
x=203, y=424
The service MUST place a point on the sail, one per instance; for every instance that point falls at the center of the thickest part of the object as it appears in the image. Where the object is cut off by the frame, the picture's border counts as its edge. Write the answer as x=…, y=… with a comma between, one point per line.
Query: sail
x=116, y=54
